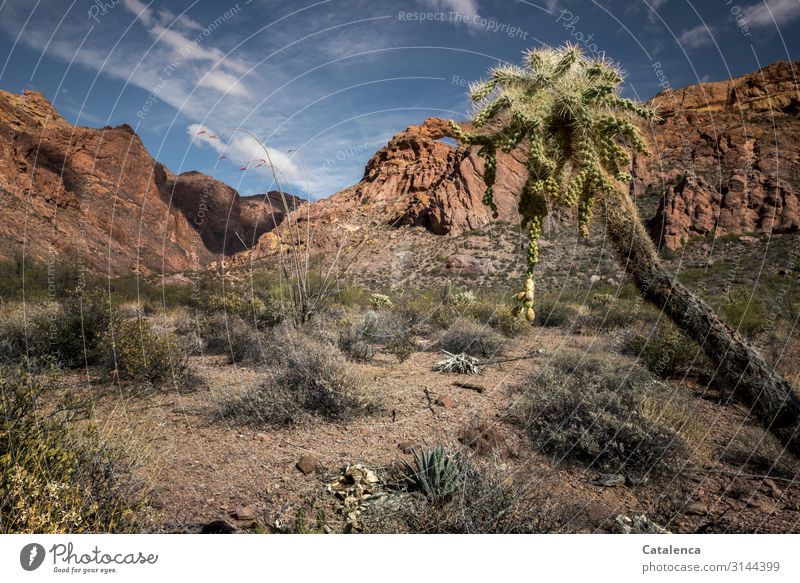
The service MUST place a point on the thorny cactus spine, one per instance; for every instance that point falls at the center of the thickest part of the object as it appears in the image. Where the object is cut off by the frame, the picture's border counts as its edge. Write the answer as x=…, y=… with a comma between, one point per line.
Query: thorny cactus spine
x=579, y=132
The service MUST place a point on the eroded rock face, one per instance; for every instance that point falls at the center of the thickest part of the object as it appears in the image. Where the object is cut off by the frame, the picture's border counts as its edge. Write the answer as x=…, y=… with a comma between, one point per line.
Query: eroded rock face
x=726, y=157
x=95, y=198
x=416, y=179
x=437, y=186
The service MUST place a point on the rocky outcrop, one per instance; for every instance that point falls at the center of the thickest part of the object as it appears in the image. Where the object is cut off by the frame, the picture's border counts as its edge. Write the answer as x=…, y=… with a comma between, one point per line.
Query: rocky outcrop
x=417, y=179
x=82, y=198
x=726, y=158
x=437, y=186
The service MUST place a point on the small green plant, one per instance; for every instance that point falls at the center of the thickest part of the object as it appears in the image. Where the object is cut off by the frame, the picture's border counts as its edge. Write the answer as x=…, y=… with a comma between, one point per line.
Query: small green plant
x=436, y=472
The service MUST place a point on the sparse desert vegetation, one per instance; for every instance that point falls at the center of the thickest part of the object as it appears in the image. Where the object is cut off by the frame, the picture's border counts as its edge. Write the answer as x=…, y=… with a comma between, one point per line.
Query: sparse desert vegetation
x=604, y=396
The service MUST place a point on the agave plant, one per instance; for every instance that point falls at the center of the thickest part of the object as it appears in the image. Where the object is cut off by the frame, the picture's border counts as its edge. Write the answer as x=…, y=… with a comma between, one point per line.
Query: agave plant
x=436, y=472
x=458, y=364
x=577, y=130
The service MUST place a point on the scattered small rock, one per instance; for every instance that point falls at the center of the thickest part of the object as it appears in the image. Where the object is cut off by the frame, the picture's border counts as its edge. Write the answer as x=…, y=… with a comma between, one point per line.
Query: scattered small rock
x=244, y=513
x=639, y=524
x=307, y=464
x=447, y=401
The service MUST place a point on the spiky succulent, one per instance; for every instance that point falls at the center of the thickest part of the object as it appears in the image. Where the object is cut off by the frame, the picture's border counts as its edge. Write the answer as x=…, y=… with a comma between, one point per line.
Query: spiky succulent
x=435, y=472
x=564, y=108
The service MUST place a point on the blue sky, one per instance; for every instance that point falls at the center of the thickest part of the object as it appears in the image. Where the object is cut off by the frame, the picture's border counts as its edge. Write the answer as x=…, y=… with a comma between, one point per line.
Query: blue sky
x=326, y=83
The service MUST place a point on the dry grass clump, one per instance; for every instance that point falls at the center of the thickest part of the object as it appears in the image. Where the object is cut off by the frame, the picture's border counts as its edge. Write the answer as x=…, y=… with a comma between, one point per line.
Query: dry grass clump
x=590, y=411
x=313, y=378
x=467, y=336
x=53, y=477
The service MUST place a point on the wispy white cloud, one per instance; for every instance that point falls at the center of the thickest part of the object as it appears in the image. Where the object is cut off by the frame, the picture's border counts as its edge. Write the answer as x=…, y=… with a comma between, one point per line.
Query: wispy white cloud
x=246, y=151
x=772, y=12
x=698, y=36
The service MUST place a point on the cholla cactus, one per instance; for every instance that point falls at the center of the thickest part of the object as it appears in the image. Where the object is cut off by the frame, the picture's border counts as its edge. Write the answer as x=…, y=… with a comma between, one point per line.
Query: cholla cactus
x=577, y=130
x=380, y=301
x=463, y=299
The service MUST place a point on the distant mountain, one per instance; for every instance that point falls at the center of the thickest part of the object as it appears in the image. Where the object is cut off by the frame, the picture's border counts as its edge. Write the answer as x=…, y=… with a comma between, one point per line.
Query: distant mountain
x=95, y=198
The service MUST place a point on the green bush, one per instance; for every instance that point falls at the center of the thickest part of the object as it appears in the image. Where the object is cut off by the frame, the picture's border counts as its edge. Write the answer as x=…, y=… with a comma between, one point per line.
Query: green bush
x=221, y=333
x=67, y=332
x=313, y=378
x=590, y=411
x=664, y=349
x=54, y=478
x=136, y=352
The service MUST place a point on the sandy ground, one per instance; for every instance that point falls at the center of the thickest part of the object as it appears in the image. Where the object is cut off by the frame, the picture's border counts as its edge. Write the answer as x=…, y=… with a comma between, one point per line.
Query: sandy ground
x=201, y=468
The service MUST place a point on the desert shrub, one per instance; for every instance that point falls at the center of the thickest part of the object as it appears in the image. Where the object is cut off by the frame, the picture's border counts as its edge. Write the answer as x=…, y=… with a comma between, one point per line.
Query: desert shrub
x=664, y=349
x=556, y=314
x=402, y=345
x=136, y=352
x=25, y=331
x=53, y=477
x=757, y=451
x=67, y=332
x=267, y=312
x=354, y=344
x=590, y=411
x=745, y=313
x=84, y=320
x=501, y=317
x=220, y=333
x=468, y=337
x=390, y=329
x=608, y=317
x=312, y=378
